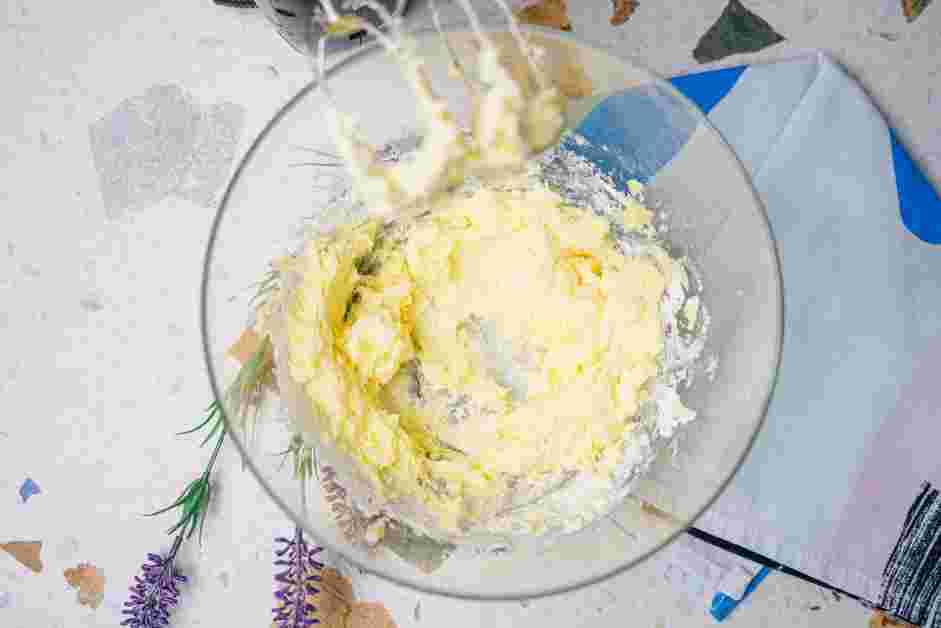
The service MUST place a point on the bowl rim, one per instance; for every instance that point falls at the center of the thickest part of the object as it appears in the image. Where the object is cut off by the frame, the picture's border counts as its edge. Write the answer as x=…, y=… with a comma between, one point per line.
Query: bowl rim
x=352, y=59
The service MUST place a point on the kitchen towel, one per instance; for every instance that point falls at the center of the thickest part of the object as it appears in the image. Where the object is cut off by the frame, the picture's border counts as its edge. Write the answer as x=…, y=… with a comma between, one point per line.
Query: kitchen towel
x=852, y=429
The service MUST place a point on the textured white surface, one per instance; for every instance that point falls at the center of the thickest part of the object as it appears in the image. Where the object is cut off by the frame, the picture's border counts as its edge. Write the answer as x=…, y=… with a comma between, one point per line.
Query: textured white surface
x=100, y=345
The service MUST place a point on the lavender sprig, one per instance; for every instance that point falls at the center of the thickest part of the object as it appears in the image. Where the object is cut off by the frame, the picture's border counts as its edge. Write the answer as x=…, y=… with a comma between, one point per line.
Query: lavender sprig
x=296, y=581
x=154, y=593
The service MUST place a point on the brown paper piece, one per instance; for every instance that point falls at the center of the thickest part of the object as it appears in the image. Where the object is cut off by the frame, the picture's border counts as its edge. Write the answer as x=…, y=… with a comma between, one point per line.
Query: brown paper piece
x=26, y=553
x=336, y=607
x=549, y=13
x=561, y=63
x=370, y=615
x=623, y=10
x=569, y=75
x=90, y=582
x=334, y=601
x=656, y=512
x=881, y=620
x=246, y=346
x=914, y=8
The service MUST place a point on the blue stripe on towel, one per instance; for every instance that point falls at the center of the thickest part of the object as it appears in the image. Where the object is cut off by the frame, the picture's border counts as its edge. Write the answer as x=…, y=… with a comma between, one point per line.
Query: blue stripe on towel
x=723, y=605
x=918, y=200
x=706, y=89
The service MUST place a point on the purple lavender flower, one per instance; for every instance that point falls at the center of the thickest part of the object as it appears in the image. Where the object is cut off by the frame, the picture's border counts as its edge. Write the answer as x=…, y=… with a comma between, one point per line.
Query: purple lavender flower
x=156, y=593
x=296, y=582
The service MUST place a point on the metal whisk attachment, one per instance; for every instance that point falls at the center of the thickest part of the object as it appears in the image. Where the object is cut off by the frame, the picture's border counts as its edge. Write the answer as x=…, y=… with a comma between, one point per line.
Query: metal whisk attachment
x=512, y=120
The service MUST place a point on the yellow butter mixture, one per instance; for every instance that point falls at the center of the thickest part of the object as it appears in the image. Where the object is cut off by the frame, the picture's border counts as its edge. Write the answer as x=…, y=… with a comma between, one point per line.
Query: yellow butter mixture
x=501, y=337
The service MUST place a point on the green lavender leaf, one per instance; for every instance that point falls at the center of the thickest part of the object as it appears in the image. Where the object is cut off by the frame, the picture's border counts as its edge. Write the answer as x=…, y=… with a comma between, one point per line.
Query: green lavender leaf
x=214, y=418
x=247, y=391
x=251, y=384
x=194, y=501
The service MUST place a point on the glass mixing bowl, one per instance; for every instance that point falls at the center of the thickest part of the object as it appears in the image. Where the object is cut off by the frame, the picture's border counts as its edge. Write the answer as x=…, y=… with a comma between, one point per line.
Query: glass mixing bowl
x=283, y=186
